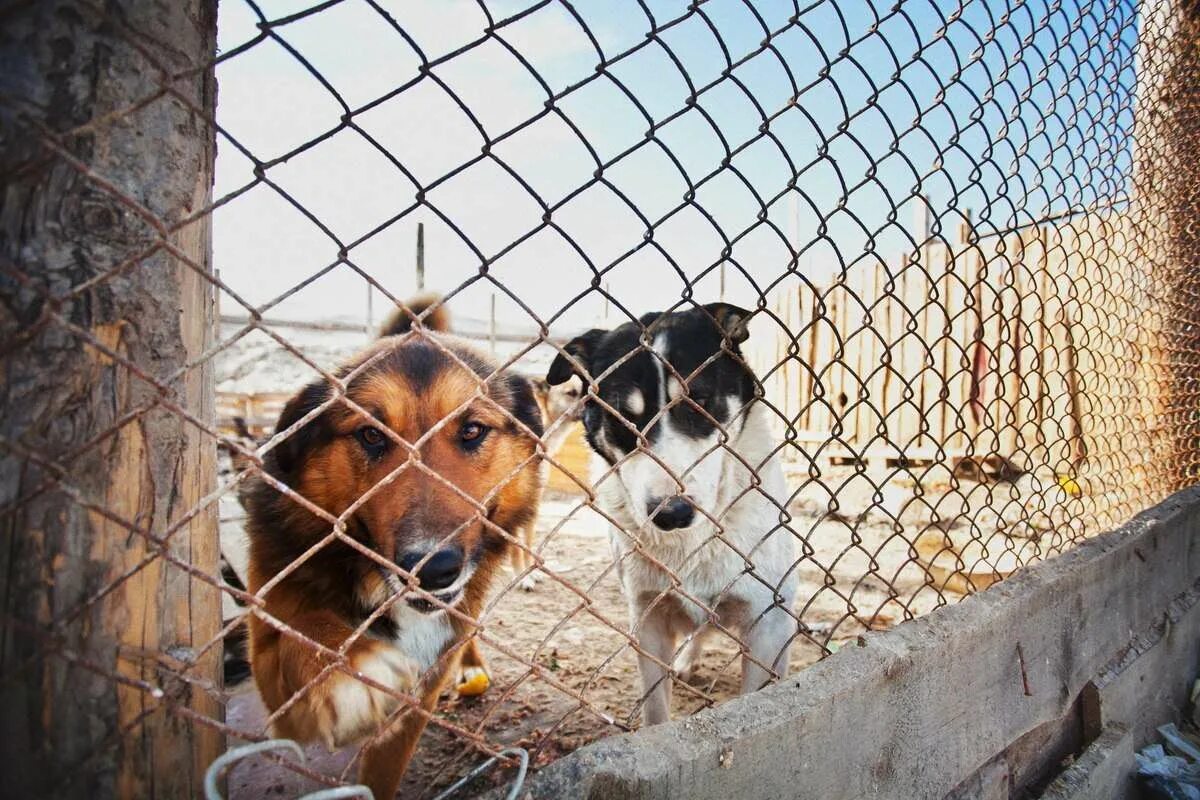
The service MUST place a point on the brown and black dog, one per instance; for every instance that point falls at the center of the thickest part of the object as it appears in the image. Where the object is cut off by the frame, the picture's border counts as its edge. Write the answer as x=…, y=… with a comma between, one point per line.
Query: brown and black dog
x=430, y=397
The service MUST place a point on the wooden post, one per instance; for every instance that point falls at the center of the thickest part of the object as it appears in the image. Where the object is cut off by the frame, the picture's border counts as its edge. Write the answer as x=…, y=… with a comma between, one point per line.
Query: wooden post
x=102, y=637
x=1163, y=219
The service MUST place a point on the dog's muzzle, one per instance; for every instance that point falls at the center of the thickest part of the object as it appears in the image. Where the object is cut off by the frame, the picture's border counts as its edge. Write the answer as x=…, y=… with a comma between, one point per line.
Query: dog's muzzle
x=440, y=570
x=671, y=514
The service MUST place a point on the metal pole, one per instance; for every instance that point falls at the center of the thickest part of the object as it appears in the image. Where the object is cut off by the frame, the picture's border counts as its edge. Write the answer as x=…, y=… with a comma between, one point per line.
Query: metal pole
x=420, y=256
x=492, y=327
x=370, y=311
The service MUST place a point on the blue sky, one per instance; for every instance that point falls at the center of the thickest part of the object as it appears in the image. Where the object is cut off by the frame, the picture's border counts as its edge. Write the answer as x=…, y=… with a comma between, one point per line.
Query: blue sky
x=1011, y=114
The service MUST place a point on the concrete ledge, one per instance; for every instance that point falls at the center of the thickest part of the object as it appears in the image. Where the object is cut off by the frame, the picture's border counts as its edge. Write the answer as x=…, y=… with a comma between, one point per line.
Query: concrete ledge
x=919, y=710
x=1102, y=771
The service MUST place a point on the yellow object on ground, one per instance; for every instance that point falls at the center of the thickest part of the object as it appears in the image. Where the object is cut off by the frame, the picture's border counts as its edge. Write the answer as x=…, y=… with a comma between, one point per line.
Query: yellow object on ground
x=1069, y=485
x=474, y=682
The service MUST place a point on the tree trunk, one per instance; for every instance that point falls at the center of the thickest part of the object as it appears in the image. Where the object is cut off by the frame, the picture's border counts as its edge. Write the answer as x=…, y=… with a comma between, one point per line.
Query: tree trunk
x=108, y=665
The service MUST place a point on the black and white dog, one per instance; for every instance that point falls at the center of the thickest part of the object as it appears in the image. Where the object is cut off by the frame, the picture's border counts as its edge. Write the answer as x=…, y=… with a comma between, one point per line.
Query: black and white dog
x=676, y=466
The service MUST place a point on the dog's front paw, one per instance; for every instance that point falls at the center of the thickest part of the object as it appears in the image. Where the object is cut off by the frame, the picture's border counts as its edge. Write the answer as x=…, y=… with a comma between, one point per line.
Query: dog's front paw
x=352, y=709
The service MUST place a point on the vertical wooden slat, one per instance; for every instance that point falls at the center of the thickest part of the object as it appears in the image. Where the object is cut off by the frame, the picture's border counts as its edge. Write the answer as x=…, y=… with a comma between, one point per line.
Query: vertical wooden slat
x=821, y=349
x=1033, y=315
x=912, y=352
x=873, y=358
x=862, y=348
x=838, y=377
x=933, y=322
x=956, y=347
x=1054, y=294
x=1009, y=348
x=893, y=326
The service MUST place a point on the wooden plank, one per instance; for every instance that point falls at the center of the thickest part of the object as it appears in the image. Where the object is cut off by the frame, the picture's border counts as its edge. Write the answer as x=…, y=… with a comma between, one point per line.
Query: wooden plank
x=800, y=384
x=782, y=384
x=861, y=346
x=990, y=378
x=873, y=355
x=1033, y=323
x=893, y=326
x=976, y=353
x=1019, y=350
x=1074, y=316
x=836, y=374
x=819, y=414
x=933, y=328
x=1054, y=291
x=912, y=353
x=1009, y=349
x=960, y=274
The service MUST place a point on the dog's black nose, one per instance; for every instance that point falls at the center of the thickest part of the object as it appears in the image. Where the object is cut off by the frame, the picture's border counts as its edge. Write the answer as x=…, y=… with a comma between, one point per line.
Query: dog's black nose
x=674, y=513
x=439, y=571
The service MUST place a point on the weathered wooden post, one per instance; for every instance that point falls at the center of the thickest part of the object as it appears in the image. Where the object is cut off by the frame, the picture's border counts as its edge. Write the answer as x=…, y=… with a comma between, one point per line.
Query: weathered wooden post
x=105, y=154
x=1165, y=222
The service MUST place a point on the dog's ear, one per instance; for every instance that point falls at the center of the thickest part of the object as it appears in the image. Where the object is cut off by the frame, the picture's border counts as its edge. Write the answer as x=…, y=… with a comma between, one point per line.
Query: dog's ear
x=524, y=405
x=733, y=321
x=649, y=318
x=581, y=348
x=287, y=453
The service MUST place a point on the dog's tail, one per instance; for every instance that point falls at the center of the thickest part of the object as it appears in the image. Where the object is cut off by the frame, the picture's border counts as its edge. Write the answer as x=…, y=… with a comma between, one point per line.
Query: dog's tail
x=401, y=320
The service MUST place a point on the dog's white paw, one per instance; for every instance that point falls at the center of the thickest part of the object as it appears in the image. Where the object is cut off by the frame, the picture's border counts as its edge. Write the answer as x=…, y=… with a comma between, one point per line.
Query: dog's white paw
x=686, y=662
x=529, y=582
x=354, y=709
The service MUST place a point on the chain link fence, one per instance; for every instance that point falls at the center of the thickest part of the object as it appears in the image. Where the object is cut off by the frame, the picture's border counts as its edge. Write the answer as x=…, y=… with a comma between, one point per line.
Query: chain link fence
x=955, y=246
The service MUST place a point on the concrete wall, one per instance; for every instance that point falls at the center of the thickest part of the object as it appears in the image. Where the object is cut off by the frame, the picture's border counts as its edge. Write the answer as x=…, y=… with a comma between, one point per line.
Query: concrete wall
x=979, y=700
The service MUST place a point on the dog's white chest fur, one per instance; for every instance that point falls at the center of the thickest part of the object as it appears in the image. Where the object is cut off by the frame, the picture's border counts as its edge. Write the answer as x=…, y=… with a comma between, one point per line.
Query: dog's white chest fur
x=421, y=637
x=707, y=567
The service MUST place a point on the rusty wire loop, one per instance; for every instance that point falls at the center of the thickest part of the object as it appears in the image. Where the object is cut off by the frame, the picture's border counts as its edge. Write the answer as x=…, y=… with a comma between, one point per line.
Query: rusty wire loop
x=950, y=400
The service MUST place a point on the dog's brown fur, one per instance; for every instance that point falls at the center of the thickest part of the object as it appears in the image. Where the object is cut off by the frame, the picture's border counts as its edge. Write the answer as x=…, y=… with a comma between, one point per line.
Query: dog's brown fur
x=410, y=386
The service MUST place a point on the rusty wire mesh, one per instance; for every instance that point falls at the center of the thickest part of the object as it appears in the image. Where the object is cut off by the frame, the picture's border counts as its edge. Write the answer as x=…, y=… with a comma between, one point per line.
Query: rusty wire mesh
x=950, y=399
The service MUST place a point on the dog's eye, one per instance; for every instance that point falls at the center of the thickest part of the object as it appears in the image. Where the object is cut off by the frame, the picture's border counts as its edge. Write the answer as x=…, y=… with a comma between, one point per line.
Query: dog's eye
x=472, y=434
x=372, y=440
